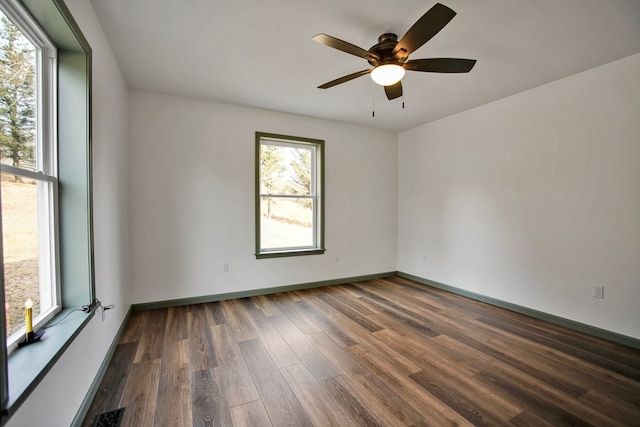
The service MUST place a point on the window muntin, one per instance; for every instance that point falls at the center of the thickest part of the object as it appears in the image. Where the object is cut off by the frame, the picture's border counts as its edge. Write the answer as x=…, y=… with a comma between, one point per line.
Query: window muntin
x=28, y=165
x=289, y=208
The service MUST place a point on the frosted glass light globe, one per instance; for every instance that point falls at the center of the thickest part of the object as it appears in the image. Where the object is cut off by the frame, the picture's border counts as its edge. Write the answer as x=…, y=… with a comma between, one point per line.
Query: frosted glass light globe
x=387, y=74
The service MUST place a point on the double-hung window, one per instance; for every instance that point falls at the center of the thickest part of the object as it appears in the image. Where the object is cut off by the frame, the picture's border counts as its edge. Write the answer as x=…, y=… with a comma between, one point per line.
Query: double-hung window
x=289, y=195
x=28, y=163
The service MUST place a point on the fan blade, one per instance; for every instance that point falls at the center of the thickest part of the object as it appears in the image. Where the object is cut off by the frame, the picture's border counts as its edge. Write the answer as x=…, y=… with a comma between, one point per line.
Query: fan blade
x=424, y=29
x=344, y=79
x=393, y=91
x=441, y=65
x=343, y=46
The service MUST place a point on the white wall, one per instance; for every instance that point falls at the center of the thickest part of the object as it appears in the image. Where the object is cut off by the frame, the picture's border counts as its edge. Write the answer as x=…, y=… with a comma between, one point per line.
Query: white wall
x=533, y=199
x=57, y=398
x=192, y=199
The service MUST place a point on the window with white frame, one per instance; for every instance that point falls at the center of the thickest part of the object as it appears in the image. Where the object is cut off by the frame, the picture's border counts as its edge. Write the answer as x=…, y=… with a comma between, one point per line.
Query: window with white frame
x=29, y=196
x=289, y=195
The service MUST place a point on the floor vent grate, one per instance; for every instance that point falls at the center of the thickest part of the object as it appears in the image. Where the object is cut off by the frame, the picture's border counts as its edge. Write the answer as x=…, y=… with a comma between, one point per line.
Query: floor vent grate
x=109, y=419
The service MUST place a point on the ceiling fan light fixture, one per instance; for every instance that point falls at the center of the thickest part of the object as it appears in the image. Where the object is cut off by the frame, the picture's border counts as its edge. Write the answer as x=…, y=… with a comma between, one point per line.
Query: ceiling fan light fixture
x=387, y=74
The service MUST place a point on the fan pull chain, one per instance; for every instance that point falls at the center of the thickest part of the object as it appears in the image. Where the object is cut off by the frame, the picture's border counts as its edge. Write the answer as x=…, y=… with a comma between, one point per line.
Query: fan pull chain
x=373, y=99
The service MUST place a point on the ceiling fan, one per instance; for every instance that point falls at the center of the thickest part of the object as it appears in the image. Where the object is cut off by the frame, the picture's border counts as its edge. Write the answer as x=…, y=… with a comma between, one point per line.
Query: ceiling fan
x=389, y=57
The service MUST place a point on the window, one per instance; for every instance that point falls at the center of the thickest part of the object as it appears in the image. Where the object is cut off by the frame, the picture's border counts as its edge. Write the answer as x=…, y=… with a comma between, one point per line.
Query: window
x=29, y=180
x=45, y=199
x=289, y=196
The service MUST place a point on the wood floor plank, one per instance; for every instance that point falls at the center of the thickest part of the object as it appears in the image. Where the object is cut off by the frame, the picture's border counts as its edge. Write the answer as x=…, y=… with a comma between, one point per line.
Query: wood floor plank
x=350, y=328
x=537, y=403
x=215, y=313
x=276, y=345
x=234, y=377
x=433, y=410
x=544, y=398
x=141, y=394
x=202, y=353
x=314, y=360
x=236, y=319
x=177, y=324
x=295, y=313
x=152, y=336
x=404, y=319
x=397, y=297
x=174, y=386
x=536, y=396
x=611, y=383
x=626, y=412
x=350, y=294
x=320, y=406
x=395, y=355
x=446, y=392
x=609, y=351
x=336, y=354
x=208, y=405
x=529, y=418
x=267, y=305
x=281, y=404
x=326, y=324
x=351, y=313
x=559, y=343
x=384, y=400
x=379, y=352
x=353, y=404
x=476, y=336
x=478, y=393
x=252, y=414
x=420, y=351
x=575, y=381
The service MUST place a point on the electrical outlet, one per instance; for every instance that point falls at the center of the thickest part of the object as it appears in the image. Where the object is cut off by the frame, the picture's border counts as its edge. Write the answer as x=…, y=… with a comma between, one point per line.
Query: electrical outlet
x=424, y=258
x=598, y=291
x=337, y=258
x=225, y=267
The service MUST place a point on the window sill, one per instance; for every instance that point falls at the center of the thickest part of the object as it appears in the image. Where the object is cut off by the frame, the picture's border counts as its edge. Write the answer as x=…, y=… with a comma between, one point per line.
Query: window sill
x=282, y=254
x=28, y=365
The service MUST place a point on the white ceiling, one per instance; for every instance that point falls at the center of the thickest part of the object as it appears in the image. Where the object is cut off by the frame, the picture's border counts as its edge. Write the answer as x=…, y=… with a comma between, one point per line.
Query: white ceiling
x=259, y=53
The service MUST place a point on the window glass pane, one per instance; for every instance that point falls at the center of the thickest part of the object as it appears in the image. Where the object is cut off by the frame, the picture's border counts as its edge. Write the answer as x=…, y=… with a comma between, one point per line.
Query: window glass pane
x=18, y=86
x=286, y=222
x=20, y=248
x=285, y=170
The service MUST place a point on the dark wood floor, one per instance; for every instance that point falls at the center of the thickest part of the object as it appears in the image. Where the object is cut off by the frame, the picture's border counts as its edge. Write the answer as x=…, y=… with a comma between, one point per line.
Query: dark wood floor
x=387, y=352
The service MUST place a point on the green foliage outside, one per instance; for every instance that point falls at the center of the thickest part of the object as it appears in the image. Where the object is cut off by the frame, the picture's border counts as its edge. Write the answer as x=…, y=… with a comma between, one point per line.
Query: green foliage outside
x=285, y=170
x=300, y=179
x=17, y=95
x=271, y=170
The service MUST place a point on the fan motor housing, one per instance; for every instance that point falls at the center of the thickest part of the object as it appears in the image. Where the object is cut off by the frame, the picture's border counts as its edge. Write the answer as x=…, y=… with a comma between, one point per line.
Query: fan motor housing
x=384, y=50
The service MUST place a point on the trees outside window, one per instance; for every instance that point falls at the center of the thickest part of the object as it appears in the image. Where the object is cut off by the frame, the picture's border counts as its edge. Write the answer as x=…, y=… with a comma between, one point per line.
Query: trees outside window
x=17, y=96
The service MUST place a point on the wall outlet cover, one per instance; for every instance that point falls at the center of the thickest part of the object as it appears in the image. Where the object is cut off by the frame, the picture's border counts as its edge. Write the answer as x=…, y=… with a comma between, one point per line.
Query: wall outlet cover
x=598, y=291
